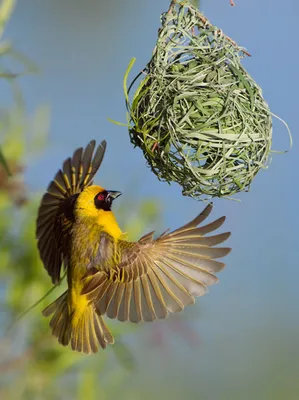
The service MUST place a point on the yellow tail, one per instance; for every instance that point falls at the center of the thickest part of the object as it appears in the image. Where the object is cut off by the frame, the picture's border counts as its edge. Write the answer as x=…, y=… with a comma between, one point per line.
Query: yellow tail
x=87, y=333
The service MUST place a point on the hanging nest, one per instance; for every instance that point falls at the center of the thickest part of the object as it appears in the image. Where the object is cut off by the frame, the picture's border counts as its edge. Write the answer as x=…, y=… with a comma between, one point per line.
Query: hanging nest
x=197, y=115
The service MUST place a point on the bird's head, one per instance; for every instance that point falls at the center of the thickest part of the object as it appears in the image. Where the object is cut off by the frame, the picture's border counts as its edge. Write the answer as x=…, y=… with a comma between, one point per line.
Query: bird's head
x=94, y=201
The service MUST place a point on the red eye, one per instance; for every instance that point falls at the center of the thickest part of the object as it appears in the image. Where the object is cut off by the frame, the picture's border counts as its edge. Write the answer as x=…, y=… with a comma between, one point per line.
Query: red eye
x=101, y=197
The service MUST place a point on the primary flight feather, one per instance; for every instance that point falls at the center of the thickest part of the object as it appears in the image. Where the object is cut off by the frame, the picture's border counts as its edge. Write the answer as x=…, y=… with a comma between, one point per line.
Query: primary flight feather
x=108, y=275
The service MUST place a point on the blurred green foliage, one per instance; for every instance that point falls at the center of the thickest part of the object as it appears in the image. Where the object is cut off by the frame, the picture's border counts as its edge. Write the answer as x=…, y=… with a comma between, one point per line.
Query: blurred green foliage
x=8, y=53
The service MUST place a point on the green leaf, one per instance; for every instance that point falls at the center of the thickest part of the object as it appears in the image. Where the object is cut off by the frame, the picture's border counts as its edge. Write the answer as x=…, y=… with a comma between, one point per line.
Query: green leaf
x=128, y=70
x=4, y=163
x=116, y=122
x=6, y=9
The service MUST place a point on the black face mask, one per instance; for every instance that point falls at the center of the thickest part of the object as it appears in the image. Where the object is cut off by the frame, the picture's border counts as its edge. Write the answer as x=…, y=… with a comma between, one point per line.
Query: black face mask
x=103, y=200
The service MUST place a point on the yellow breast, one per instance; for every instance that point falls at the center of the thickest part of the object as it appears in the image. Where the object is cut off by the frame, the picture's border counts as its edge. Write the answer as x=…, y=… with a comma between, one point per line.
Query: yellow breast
x=87, y=213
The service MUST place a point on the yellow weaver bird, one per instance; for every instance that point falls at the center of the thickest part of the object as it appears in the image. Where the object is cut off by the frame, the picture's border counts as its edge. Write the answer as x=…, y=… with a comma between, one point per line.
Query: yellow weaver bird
x=106, y=274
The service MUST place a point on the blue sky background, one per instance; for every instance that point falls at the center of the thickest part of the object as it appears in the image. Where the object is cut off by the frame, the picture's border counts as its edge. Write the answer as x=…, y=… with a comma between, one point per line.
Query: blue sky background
x=249, y=321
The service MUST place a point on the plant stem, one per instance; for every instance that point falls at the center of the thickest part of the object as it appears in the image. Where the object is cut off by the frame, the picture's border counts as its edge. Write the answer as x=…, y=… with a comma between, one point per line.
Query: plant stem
x=4, y=163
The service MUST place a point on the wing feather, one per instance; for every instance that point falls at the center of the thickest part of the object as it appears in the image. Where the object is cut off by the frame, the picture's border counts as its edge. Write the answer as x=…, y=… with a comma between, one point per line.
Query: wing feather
x=87, y=163
x=110, y=298
x=176, y=289
x=157, y=297
x=162, y=276
x=137, y=298
x=173, y=303
x=148, y=305
x=118, y=300
x=196, y=221
x=97, y=161
x=76, y=169
x=54, y=218
x=127, y=301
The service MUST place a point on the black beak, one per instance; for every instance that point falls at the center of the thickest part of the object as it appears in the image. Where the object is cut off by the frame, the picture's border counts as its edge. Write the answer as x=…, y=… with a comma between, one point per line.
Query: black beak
x=113, y=194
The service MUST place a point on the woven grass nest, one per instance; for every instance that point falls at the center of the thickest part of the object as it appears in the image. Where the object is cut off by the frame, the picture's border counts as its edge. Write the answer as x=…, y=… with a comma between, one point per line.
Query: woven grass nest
x=197, y=115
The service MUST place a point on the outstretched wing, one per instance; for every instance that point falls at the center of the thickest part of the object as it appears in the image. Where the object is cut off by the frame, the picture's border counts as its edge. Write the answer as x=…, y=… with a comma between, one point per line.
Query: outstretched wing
x=55, y=213
x=158, y=277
